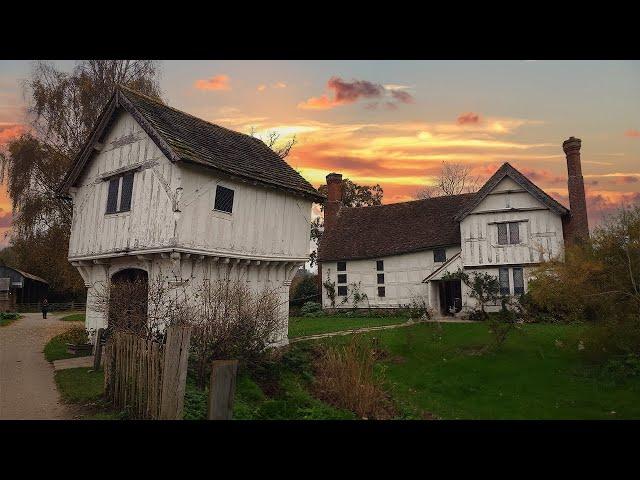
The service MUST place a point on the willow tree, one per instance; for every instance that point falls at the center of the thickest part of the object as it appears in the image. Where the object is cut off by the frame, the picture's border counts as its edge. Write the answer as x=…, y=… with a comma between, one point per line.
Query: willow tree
x=62, y=108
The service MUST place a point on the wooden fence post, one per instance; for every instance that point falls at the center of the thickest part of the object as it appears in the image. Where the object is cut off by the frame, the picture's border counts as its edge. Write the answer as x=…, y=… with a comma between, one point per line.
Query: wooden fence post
x=222, y=388
x=174, y=372
x=97, y=350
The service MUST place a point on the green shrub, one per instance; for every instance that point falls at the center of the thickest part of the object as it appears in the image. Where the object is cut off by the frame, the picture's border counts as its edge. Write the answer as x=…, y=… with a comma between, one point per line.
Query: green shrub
x=9, y=315
x=310, y=307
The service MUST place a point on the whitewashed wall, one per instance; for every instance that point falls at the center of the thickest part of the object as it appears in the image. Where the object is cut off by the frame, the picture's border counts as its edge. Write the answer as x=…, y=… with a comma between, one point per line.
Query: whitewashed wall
x=540, y=235
x=264, y=222
x=403, y=276
x=150, y=221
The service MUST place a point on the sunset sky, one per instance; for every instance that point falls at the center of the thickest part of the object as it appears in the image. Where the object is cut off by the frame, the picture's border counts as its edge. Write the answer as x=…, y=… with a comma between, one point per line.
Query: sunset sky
x=394, y=122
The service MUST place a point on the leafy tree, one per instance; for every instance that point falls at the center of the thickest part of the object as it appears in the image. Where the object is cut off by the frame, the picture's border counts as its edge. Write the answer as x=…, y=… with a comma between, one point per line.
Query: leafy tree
x=353, y=195
x=63, y=108
x=483, y=287
x=598, y=283
x=306, y=290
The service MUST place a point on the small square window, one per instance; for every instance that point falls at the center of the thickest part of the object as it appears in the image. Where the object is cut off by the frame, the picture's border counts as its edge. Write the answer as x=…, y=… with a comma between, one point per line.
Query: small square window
x=342, y=290
x=381, y=291
x=342, y=278
x=342, y=266
x=224, y=199
x=380, y=265
x=439, y=255
x=380, y=278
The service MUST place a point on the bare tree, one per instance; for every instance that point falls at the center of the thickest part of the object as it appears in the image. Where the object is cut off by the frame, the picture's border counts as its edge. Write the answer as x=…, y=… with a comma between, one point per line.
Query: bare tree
x=454, y=179
x=271, y=141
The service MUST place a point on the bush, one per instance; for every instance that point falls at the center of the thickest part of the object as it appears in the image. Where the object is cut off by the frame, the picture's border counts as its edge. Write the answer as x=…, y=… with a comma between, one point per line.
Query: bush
x=9, y=315
x=310, y=307
x=304, y=291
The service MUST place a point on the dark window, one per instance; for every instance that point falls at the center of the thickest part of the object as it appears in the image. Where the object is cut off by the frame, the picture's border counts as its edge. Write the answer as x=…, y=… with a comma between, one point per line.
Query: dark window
x=502, y=234
x=342, y=266
x=518, y=281
x=342, y=278
x=224, y=199
x=127, y=191
x=514, y=233
x=380, y=265
x=342, y=290
x=381, y=278
x=439, y=255
x=112, y=199
x=504, y=281
x=381, y=291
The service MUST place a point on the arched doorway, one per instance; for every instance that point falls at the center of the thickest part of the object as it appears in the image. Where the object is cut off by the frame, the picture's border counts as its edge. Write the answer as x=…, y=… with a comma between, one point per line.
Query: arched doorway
x=128, y=300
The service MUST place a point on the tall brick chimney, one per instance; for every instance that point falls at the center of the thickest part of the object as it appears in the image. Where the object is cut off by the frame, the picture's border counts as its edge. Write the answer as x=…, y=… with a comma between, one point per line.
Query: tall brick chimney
x=576, y=226
x=334, y=200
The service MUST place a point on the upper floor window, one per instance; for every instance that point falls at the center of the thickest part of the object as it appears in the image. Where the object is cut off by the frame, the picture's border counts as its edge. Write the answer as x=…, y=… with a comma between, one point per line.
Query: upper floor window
x=342, y=278
x=439, y=255
x=508, y=233
x=342, y=266
x=379, y=265
x=224, y=199
x=120, y=193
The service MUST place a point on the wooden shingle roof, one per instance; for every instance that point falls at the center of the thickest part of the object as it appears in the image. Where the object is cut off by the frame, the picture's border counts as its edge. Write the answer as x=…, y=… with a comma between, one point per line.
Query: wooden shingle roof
x=183, y=137
x=372, y=232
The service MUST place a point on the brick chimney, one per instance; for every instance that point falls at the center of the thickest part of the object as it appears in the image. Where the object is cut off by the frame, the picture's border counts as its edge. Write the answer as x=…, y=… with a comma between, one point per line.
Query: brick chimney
x=334, y=200
x=577, y=225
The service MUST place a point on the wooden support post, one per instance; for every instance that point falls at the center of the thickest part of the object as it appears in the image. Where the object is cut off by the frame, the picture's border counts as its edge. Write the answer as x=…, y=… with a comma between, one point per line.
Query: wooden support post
x=97, y=350
x=174, y=372
x=222, y=388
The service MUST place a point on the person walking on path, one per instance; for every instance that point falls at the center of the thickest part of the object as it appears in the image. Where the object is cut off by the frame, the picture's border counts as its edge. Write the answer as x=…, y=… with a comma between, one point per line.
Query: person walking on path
x=45, y=308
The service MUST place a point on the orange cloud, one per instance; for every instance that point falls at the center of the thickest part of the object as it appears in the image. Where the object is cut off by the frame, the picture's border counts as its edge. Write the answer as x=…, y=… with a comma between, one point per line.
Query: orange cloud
x=633, y=133
x=10, y=131
x=261, y=88
x=467, y=118
x=218, y=82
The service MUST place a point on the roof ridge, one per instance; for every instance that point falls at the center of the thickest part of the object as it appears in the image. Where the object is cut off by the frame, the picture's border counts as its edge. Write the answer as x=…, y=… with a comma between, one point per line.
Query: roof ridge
x=412, y=201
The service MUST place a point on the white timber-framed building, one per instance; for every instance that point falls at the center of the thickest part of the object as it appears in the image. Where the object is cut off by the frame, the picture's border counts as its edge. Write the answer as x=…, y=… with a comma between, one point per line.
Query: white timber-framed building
x=160, y=193
x=400, y=252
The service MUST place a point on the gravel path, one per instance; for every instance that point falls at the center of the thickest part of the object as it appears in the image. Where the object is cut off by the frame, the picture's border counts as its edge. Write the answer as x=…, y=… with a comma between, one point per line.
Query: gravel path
x=27, y=388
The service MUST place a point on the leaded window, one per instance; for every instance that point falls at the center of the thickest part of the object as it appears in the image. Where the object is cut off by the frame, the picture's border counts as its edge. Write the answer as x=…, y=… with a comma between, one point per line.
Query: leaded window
x=439, y=255
x=518, y=281
x=224, y=199
x=504, y=281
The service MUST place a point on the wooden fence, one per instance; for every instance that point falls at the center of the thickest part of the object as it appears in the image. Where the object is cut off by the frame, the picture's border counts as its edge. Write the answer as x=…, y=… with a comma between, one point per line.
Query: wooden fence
x=147, y=378
x=36, y=307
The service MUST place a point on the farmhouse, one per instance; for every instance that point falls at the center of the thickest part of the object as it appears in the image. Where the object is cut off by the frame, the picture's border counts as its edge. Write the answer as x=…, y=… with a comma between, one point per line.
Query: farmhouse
x=400, y=252
x=18, y=287
x=158, y=193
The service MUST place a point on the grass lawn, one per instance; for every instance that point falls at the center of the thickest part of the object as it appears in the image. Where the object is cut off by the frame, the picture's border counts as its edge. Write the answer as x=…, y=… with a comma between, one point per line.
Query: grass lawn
x=74, y=317
x=56, y=348
x=303, y=326
x=84, y=386
x=531, y=377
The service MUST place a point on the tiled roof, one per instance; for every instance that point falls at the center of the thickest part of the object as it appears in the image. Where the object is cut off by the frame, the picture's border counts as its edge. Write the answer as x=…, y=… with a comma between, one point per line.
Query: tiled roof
x=183, y=137
x=371, y=232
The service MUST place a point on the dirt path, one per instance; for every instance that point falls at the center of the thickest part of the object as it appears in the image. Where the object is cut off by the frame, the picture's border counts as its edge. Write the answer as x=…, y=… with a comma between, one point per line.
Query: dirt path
x=374, y=329
x=27, y=388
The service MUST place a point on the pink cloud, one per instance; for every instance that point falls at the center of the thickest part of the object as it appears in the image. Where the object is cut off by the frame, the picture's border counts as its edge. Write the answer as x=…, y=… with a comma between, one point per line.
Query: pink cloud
x=467, y=118
x=218, y=82
x=5, y=218
x=9, y=132
x=344, y=93
x=633, y=133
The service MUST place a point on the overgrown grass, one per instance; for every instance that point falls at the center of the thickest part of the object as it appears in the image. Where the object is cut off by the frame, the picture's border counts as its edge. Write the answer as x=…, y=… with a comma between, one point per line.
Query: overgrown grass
x=56, y=348
x=277, y=389
x=303, y=326
x=74, y=317
x=537, y=374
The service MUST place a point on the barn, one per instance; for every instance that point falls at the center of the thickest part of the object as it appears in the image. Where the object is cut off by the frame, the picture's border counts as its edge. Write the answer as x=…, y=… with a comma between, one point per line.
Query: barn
x=17, y=287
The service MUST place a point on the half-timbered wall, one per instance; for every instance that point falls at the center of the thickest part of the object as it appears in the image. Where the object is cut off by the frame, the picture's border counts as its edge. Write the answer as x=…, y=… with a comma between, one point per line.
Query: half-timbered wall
x=540, y=230
x=150, y=221
x=403, y=276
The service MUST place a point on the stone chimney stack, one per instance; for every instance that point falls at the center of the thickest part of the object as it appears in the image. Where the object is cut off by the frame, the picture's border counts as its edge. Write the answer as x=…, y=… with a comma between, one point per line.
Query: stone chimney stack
x=334, y=200
x=577, y=226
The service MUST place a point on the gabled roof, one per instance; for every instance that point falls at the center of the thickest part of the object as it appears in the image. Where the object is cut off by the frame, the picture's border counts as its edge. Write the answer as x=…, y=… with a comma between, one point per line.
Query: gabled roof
x=26, y=274
x=372, y=232
x=183, y=137
x=506, y=170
